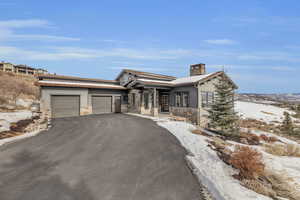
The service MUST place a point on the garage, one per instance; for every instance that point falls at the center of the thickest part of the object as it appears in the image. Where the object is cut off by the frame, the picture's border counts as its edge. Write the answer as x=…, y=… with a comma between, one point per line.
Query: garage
x=101, y=104
x=65, y=106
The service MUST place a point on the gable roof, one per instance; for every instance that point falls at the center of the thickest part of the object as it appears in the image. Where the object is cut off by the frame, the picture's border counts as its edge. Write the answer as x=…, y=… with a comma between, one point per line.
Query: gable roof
x=146, y=75
x=190, y=80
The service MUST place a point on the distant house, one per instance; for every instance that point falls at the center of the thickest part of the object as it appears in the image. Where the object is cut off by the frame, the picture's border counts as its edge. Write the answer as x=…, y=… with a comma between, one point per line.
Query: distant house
x=21, y=69
x=132, y=91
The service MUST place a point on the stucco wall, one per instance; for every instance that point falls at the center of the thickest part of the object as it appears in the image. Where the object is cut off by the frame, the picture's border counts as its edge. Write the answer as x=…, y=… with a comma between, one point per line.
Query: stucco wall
x=46, y=93
x=108, y=92
x=85, y=98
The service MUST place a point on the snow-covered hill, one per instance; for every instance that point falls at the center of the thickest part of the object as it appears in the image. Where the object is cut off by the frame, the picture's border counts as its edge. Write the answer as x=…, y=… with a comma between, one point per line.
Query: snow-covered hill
x=262, y=112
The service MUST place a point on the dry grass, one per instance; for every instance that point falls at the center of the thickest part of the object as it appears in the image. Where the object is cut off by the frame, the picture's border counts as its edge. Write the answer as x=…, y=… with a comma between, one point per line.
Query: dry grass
x=248, y=161
x=268, y=139
x=12, y=87
x=197, y=132
x=249, y=138
x=259, y=187
x=282, y=186
x=268, y=113
x=258, y=125
x=283, y=149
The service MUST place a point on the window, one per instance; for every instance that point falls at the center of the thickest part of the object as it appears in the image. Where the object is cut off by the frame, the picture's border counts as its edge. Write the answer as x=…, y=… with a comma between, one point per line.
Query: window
x=178, y=99
x=185, y=99
x=133, y=99
x=182, y=99
x=207, y=99
x=146, y=100
x=125, y=99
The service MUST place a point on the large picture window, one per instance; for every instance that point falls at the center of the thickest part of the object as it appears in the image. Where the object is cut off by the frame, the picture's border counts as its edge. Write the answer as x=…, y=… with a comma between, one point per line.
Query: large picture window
x=182, y=99
x=207, y=99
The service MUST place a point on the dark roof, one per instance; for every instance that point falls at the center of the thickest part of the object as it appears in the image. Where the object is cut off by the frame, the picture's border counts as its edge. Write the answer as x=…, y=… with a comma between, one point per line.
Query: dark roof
x=146, y=75
x=202, y=80
x=74, y=78
x=91, y=86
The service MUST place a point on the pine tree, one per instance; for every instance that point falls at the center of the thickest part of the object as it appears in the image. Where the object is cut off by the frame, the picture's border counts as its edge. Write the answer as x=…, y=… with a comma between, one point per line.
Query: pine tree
x=221, y=114
x=287, y=124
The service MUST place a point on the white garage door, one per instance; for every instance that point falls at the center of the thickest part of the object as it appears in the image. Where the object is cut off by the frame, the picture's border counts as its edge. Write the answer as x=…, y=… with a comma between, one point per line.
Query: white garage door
x=65, y=106
x=101, y=104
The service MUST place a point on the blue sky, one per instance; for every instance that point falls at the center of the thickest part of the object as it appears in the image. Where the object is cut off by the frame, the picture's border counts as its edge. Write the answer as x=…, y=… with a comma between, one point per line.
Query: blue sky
x=256, y=41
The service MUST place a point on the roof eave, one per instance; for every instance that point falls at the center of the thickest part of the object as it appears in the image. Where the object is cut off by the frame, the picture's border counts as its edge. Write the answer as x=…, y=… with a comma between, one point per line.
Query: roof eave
x=78, y=86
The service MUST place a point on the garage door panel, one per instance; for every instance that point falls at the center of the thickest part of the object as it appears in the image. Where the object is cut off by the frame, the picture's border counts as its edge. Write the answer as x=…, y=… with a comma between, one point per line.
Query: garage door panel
x=101, y=104
x=65, y=106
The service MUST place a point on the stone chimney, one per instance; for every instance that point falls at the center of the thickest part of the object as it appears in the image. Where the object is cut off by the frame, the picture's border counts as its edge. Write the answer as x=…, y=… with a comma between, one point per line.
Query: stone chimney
x=197, y=69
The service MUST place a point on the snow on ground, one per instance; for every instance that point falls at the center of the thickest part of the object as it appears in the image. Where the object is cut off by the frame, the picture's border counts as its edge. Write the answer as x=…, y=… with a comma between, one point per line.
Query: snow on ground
x=6, y=118
x=284, y=164
x=19, y=137
x=263, y=112
x=211, y=171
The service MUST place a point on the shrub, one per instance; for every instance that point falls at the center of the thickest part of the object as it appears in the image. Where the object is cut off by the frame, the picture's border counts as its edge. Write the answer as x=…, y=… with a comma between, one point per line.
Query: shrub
x=268, y=139
x=249, y=138
x=248, y=161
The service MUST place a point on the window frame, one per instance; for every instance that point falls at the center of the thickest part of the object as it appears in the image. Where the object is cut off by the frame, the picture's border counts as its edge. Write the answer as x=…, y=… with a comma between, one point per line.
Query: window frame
x=182, y=99
x=207, y=99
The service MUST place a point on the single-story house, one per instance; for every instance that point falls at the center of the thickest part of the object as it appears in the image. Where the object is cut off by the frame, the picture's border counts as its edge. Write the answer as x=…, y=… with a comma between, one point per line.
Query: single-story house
x=132, y=91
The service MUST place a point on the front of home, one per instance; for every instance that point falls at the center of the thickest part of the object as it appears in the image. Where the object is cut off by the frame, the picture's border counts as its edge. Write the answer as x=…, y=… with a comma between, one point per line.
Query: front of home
x=132, y=91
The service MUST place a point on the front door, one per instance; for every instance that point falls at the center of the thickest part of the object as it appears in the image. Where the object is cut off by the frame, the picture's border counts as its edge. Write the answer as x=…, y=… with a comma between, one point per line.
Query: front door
x=164, y=103
x=117, y=104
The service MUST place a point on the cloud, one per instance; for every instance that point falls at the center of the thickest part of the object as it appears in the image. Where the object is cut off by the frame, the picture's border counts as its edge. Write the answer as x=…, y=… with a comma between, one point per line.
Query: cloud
x=24, y=23
x=221, y=42
x=8, y=33
x=42, y=37
x=66, y=53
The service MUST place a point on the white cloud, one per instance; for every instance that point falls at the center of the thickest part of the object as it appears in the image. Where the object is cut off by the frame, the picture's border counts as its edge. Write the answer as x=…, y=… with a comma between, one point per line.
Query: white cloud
x=8, y=33
x=65, y=53
x=24, y=23
x=221, y=42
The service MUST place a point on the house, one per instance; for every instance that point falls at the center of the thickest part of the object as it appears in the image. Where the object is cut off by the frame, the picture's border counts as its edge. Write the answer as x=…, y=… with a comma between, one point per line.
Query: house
x=21, y=69
x=132, y=91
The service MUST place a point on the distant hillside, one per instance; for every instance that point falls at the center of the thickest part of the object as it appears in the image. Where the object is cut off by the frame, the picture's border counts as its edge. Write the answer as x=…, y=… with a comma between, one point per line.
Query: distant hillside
x=269, y=98
x=17, y=90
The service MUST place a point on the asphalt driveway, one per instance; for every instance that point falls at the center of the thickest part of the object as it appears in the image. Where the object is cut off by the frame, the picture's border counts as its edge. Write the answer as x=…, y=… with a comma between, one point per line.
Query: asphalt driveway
x=97, y=157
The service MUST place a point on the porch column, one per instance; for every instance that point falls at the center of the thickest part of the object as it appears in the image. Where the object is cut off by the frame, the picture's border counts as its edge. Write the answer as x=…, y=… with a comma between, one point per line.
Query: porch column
x=154, y=110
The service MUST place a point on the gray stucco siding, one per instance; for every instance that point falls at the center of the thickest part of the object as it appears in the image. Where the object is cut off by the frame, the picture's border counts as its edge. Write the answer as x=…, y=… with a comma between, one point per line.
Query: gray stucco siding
x=193, y=95
x=109, y=92
x=47, y=92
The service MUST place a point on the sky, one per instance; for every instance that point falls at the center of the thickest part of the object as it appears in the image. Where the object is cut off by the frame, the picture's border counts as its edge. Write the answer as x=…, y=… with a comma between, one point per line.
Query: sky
x=256, y=42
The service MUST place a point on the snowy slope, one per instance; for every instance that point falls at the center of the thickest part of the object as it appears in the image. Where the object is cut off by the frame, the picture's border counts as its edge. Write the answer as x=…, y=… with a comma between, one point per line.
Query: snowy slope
x=213, y=173
x=7, y=118
x=263, y=112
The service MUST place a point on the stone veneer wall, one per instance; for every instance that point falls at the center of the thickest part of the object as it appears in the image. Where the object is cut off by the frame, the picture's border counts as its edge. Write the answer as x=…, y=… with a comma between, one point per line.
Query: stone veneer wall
x=190, y=113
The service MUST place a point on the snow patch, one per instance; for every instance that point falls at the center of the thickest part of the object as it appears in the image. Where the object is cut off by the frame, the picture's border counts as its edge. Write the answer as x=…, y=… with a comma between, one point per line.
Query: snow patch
x=213, y=173
x=262, y=112
x=19, y=137
x=6, y=118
